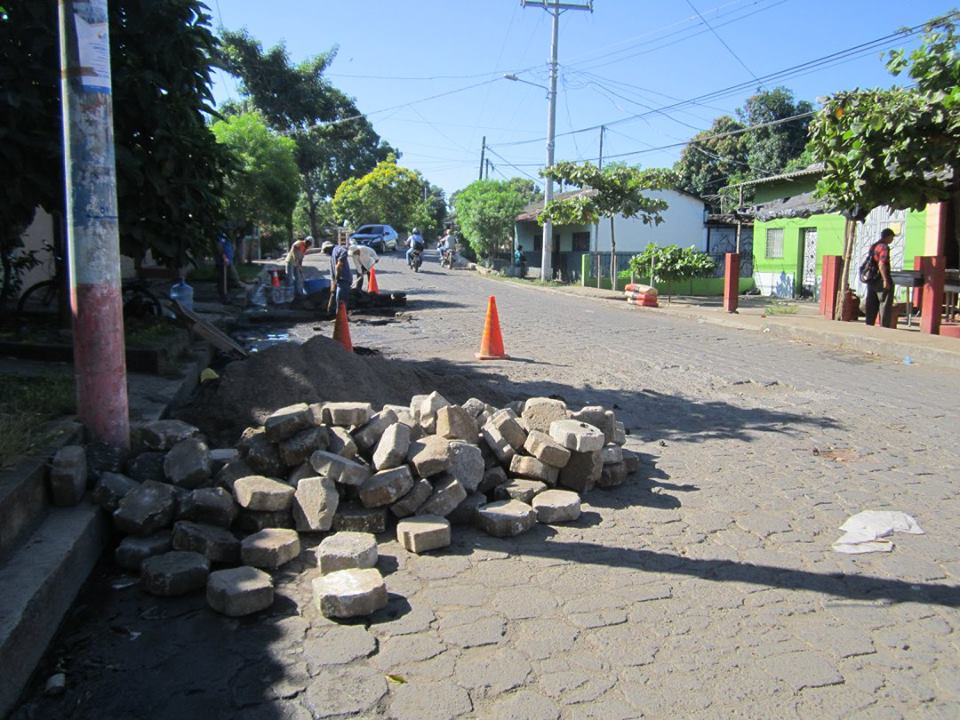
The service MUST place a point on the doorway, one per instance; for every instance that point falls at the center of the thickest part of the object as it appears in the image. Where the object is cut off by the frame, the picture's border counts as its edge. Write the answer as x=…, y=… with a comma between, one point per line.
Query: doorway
x=809, y=287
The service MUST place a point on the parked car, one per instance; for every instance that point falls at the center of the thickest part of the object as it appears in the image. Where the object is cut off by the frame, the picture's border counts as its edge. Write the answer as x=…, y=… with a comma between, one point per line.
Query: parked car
x=381, y=238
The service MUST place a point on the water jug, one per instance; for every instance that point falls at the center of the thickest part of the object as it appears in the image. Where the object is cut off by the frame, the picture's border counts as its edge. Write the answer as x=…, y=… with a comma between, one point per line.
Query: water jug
x=183, y=294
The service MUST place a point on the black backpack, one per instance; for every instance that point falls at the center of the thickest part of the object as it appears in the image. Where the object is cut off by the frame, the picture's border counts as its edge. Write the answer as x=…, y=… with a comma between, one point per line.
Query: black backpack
x=869, y=269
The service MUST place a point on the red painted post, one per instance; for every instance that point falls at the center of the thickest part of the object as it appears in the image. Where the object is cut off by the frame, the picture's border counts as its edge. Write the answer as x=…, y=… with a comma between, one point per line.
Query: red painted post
x=93, y=238
x=917, y=292
x=832, y=267
x=931, y=302
x=731, y=282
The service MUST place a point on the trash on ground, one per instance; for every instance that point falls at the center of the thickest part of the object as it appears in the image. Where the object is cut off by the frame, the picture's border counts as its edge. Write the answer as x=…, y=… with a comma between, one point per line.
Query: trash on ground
x=867, y=531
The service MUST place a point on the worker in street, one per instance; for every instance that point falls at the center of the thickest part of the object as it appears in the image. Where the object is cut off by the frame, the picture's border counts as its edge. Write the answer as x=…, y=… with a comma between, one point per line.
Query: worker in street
x=364, y=258
x=294, y=262
x=340, y=276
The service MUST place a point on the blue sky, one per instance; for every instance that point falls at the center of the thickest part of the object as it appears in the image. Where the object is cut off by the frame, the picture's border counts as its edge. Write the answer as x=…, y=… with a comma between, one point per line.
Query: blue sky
x=428, y=73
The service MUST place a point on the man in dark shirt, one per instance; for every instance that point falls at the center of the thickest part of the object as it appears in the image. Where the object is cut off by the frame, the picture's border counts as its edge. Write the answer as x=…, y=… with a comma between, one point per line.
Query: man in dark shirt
x=340, y=275
x=879, y=298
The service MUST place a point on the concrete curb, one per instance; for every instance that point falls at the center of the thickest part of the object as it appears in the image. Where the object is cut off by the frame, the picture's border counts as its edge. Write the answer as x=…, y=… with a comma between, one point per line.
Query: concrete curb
x=47, y=552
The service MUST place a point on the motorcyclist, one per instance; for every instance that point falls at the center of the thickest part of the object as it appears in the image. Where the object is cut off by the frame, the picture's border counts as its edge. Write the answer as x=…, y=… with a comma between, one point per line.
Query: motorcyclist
x=415, y=243
x=445, y=246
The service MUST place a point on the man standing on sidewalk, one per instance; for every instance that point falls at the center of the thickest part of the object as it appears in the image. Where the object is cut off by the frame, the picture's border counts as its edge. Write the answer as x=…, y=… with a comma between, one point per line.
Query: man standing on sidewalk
x=880, y=290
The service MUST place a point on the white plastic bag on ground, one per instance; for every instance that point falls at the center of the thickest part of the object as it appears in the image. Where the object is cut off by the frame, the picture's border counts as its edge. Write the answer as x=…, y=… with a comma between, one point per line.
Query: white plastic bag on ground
x=867, y=531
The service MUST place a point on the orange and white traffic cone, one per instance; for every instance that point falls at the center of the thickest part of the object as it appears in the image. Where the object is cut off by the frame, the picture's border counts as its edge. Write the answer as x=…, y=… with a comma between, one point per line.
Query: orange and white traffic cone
x=341, y=328
x=491, y=345
x=372, y=286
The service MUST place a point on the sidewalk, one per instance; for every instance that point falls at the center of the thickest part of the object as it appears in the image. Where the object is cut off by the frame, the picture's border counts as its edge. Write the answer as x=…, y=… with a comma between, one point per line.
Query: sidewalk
x=767, y=315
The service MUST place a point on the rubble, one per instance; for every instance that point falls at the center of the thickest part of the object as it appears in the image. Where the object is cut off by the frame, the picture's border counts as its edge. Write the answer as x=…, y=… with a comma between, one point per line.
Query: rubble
x=350, y=593
x=68, y=475
x=239, y=591
x=349, y=472
x=347, y=550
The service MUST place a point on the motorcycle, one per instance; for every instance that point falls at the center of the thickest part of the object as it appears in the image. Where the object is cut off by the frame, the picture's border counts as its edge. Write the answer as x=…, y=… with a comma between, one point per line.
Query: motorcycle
x=416, y=259
x=446, y=259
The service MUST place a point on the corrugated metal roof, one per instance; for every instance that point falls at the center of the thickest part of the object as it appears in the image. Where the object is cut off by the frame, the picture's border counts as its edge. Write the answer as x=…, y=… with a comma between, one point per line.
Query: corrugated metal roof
x=814, y=169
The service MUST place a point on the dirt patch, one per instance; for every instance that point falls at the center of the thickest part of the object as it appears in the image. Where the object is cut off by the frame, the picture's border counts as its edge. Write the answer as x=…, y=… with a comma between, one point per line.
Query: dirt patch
x=319, y=369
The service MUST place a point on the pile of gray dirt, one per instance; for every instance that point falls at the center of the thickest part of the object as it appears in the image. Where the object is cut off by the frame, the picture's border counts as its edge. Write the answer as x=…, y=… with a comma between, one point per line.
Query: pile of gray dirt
x=318, y=370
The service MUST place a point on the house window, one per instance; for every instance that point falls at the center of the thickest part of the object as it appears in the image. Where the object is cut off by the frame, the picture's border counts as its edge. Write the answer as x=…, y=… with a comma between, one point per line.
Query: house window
x=581, y=242
x=774, y=244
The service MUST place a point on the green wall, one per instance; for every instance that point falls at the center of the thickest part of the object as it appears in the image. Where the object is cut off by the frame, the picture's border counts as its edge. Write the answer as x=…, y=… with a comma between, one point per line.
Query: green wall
x=829, y=242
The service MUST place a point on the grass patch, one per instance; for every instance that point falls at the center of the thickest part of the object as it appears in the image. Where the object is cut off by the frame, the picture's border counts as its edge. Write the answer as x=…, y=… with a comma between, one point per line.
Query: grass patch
x=26, y=405
x=781, y=307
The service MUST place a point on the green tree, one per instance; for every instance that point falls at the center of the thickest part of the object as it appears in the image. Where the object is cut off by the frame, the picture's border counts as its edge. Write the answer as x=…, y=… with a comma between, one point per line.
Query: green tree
x=709, y=163
x=387, y=194
x=897, y=147
x=169, y=166
x=334, y=140
x=486, y=211
x=29, y=130
x=614, y=190
x=670, y=264
x=263, y=186
x=769, y=149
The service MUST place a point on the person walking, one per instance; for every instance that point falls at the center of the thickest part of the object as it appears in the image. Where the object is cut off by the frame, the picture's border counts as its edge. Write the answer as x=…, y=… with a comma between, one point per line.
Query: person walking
x=294, y=262
x=364, y=258
x=340, y=276
x=879, y=298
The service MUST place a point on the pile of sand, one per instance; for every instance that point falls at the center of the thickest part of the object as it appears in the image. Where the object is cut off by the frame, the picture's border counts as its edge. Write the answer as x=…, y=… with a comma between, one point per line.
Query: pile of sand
x=319, y=369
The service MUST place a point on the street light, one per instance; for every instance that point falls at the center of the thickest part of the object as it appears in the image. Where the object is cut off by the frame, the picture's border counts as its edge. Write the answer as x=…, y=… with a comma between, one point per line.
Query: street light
x=546, y=271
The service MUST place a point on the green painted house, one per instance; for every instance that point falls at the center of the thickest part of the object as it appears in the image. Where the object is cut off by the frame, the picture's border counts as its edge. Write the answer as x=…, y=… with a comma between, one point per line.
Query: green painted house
x=793, y=230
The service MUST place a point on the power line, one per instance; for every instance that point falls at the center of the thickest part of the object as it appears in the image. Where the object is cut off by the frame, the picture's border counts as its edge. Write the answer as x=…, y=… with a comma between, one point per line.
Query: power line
x=722, y=41
x=516, y=167
x=777, y=75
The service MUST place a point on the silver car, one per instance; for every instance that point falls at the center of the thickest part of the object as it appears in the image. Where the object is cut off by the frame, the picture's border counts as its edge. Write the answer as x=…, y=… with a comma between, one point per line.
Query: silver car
x=382, y=238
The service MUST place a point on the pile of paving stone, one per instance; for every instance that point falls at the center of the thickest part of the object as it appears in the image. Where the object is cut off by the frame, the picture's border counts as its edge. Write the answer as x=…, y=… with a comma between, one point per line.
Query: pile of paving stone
x=195, y=517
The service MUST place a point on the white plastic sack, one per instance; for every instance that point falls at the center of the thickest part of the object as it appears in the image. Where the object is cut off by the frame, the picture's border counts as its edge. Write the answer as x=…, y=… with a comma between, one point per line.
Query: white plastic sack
x=867, y=531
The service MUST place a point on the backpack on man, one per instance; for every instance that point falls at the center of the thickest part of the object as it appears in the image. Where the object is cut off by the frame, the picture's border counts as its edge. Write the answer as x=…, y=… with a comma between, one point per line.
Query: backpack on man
x=869, y=268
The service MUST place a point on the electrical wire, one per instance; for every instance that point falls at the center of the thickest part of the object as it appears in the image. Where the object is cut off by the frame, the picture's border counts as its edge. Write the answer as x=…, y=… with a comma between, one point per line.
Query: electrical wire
x=804, y=67
x=722, y=41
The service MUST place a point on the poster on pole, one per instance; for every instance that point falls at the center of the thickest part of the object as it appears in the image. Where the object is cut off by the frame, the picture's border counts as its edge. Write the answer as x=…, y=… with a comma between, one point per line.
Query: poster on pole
x=93, y=46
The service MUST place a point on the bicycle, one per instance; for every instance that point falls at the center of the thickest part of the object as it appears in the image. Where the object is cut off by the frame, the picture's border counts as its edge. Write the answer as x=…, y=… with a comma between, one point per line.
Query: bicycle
x=48, y=297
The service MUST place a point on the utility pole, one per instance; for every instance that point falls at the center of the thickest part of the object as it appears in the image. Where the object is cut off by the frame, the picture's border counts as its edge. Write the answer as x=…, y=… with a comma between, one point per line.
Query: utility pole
x=554, y=7
x=596, y=225
x=93, y=238
x=483, y=152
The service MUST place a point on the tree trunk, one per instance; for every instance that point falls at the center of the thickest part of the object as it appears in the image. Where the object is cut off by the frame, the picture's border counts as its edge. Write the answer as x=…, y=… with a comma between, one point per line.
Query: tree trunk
x=312, y=213
x=5, y=291
x=613, y=257
x=849, y=235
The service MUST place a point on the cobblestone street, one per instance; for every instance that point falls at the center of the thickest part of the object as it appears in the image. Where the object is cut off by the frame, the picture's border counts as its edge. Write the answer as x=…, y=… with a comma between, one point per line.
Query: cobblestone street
x=705, y=587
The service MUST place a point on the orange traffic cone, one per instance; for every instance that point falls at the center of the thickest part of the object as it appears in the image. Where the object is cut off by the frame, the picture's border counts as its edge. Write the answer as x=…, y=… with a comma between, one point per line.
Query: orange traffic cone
x=275, y=278
x=341, y=328
x=372, y=286
x=491, y=346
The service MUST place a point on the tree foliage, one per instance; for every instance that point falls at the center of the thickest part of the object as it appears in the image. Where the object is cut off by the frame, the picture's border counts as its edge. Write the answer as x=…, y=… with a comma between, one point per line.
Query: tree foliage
x=169, y=166
x=614, y=190
x=486, y=210
x=29, y=129
x=897, y=147
x=671, y=263
x=709, y=163
x=334, y=140
x=263, y=186
x=769, y=149
x=387, y=194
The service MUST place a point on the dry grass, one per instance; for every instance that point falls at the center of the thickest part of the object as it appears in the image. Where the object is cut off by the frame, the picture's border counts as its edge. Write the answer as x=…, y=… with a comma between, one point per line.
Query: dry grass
x=27, y=404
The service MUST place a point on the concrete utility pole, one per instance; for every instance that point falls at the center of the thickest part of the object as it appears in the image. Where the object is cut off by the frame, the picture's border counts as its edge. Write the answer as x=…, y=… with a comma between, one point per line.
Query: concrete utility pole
x=483, y=152
x=554, y=7
x=93, y=239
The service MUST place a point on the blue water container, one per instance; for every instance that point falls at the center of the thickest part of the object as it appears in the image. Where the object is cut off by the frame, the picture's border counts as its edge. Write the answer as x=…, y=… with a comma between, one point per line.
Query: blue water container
x=183, y=294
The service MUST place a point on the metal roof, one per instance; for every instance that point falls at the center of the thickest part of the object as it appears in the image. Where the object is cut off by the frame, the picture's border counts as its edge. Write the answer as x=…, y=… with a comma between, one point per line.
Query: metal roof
x=814, y=169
